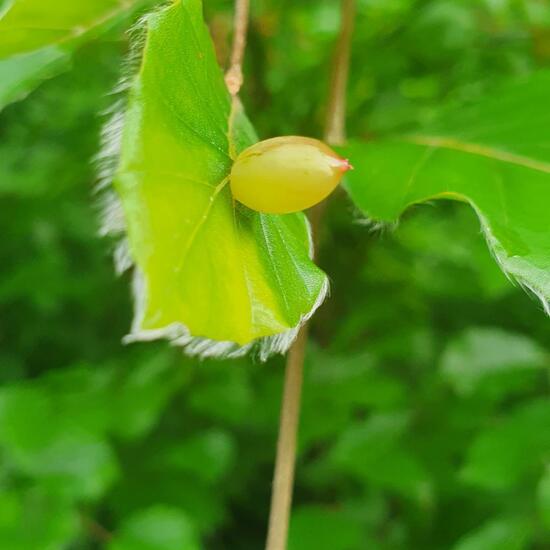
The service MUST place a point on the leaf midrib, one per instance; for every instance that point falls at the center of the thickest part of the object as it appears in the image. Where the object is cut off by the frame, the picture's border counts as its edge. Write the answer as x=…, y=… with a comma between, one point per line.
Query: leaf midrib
x=453, y=144
x=200, y=223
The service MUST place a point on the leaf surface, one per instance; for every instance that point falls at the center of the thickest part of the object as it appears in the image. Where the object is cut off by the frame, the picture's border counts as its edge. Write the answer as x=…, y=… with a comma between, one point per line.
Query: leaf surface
x=37, y=38
x=543, y=498
x=497, y=534
x=497, y=458
x=488, y=356
x=33, y=518
x=206, y=266
x=48, y=446
x=317, y=528
x=156, y=528
x=493, y=155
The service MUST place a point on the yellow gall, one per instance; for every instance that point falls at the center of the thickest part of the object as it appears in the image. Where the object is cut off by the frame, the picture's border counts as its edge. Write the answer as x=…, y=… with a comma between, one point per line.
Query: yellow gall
x=286, y=174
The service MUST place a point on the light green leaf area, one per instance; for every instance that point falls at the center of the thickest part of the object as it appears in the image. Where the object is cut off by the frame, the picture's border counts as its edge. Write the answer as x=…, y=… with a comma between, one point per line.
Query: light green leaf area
x=37, y=38
x=33, y=519
x=206, y=456
x=509, y=450
x=498, y=534
x=156, y=528
x=491, y=359
x=494, y=155
x=206, y=266
x=318, y=528
x=543, y=497
x=38, y=440
x=373, y=451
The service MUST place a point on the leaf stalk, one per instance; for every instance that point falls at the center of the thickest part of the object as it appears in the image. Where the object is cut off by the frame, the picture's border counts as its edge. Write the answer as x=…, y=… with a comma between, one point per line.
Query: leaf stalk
x=234, y=76
x=283, y=479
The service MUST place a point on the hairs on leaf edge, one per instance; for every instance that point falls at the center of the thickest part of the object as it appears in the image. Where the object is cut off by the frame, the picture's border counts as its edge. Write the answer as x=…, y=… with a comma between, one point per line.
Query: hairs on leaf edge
x=111, y=217
x=495, y=248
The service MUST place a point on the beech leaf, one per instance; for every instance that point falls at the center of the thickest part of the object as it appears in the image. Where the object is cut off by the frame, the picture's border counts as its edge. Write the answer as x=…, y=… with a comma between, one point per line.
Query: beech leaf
x=210, y=273
x=493, y=154
x=37, y=38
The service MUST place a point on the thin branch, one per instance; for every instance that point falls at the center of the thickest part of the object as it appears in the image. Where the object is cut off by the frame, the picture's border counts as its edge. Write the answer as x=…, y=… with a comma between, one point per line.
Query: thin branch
x=283, y=479
x=234, y=76
x=335, y=124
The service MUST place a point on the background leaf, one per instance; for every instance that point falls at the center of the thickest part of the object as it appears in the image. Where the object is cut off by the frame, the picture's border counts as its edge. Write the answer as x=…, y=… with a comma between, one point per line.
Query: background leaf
x=158, y=528
x=33, y=520
x=206, y=266
x=498, y=459
x=372, y=452
x=319, y=529
x=491, y=359
x=543, y=494
x=505, y=534
x=49, y=446
x=492, y=154
x=37, y=40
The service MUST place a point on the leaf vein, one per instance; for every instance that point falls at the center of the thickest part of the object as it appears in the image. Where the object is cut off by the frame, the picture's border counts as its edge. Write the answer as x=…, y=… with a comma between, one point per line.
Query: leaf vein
x=201, y=222
x=443, y=142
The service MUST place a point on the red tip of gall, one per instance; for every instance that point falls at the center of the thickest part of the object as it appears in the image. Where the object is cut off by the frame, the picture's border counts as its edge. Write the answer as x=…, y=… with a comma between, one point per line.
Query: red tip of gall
x=345, y=165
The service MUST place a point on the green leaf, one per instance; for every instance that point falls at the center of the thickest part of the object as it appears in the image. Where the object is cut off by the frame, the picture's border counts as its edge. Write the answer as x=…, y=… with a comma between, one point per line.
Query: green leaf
x=206, y=456
x=222, y=395
x=336, y=386
x=493, y=155
x=45, y=445
x=316, y=528
x=126, y=402
x=206, y=266
x=145, y=481
x=543, y=497
x=372, y=451
x=490, y=356
x=138, y=401
x=497, y=534
x=33, y=520
x=37, y=38
x=505, y=453
x=157, y=528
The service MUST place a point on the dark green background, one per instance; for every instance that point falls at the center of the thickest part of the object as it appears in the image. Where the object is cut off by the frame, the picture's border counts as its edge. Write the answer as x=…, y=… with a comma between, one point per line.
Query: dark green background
x=426, y=419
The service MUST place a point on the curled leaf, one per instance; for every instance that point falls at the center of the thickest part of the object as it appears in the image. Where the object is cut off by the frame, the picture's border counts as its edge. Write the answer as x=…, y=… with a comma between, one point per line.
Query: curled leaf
x=210, y=274
x=493, y=155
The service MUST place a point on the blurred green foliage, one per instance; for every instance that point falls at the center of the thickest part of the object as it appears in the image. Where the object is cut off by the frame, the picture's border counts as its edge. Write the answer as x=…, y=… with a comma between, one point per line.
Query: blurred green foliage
x=425, y=421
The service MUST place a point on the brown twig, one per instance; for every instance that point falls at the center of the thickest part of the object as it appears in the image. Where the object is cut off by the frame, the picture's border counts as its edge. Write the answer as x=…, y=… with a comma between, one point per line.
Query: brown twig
x=234, y=76
x=335, y=124
x=283, y=479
